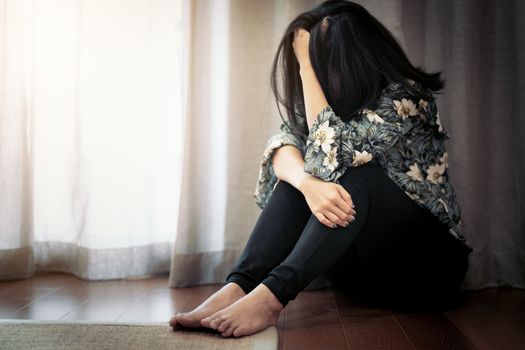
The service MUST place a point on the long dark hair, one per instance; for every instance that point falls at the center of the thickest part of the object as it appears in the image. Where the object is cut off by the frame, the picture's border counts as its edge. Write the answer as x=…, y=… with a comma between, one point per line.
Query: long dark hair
x=354, y=57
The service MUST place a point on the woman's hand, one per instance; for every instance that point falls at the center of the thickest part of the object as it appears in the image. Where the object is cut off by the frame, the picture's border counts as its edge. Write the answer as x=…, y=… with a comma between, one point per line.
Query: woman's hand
x=330, y=203
x=300, y=45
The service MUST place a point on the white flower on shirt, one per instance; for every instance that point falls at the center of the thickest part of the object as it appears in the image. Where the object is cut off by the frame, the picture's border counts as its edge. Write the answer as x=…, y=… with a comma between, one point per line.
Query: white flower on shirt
x=324, y=136
x=405, y=108
x=415, y=173
x=435, y=173
x=361, y=158
x=438, y=122
x=330, y=161
x=372, y=116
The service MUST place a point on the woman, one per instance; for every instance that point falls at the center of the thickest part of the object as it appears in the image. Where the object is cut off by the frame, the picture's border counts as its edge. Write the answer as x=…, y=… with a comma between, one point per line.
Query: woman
x=354, y=187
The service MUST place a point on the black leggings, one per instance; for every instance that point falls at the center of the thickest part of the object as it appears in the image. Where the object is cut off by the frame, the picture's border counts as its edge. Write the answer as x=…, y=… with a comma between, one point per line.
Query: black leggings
x=394, y=251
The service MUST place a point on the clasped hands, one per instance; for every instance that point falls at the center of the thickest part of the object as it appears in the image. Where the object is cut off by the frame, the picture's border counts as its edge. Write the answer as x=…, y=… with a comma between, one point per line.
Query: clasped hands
x=331, y=204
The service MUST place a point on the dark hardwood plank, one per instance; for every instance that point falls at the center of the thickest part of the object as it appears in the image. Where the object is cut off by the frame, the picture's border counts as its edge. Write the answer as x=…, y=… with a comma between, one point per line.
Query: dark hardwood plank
x=368, y=327
x=108, y=304
x=157, y=305
x=312, y=322
x=18, y=295
x=71, y=293
x=17, y=299
x=432, y=330
x=493, y=318
x=40, y=281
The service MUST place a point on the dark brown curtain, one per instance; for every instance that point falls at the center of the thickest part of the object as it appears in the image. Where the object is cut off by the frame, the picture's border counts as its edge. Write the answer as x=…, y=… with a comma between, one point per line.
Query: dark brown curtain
x=479, y=46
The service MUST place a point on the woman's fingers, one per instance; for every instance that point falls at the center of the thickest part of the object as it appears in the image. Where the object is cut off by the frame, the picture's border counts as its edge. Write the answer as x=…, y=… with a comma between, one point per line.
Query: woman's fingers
x=347, y=210
x=322, y=218
x=346, y=203
x=342, y=217
x=333, y=218
x=345, y=195
x=344, y=209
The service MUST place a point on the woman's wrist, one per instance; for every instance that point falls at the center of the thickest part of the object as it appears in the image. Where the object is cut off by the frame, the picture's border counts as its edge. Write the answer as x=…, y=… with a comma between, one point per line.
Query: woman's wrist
x=303, y=181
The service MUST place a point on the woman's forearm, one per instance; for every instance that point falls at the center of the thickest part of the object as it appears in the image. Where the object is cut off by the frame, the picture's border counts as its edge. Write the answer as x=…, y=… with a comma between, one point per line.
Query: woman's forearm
x=288, y=162
x=288, y=165
x=314, y=98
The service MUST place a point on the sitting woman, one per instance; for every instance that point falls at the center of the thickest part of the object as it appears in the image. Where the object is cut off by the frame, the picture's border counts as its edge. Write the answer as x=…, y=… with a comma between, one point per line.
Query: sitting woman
x=354, y=186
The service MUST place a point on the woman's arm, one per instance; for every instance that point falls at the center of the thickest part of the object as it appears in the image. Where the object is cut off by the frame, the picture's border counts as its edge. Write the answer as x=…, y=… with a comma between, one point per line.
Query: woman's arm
x=329, y=202
x=314, y=98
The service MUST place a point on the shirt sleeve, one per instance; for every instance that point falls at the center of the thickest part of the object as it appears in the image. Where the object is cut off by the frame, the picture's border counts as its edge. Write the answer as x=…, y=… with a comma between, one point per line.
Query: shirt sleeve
x=267, y=179
x=334, y=145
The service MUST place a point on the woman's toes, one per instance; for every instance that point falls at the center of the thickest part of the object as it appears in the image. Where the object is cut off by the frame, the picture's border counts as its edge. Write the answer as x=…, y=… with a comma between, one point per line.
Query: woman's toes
x=228, y=332
x=223, y=326
x=237, y=332
x=216, y=322
x=205, y=322
x=173, y=321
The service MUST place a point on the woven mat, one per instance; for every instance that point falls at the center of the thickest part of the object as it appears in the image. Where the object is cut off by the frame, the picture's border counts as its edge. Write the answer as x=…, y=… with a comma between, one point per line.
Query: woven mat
x=56, y=335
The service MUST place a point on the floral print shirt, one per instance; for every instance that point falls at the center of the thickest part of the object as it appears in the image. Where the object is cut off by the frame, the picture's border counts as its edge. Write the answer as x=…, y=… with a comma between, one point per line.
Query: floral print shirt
x=403, y=134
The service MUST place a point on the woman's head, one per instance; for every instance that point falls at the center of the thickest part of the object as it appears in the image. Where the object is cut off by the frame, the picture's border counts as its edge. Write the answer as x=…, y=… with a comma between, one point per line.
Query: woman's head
x=354, y=57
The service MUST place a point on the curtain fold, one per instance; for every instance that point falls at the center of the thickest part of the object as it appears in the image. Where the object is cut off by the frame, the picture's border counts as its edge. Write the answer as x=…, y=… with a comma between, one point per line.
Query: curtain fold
x=231, y=113
x=16, y=217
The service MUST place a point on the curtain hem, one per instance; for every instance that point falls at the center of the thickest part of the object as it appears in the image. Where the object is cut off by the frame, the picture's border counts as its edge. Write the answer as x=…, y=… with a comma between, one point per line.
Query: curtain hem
x=85, y=263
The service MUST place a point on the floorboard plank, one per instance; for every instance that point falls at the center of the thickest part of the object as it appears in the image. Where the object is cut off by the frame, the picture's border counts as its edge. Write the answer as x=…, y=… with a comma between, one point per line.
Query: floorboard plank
x=312, y=322
x=157, y=305
x=493, y=318
x=18, y=299
x=369, y=327
x=432, y=330
x=111, y=300
x=69, y=295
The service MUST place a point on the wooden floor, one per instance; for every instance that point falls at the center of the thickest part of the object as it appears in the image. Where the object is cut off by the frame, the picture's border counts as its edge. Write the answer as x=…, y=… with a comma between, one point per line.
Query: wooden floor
x=323, y=319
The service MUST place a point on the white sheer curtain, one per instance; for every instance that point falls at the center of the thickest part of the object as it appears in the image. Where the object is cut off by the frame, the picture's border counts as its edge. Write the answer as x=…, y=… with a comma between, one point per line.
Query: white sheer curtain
x=90, y=136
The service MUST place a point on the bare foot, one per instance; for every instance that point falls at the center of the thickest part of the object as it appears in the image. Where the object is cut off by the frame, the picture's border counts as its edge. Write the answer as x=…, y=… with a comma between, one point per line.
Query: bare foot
x=253, y=313
x=224, y=297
